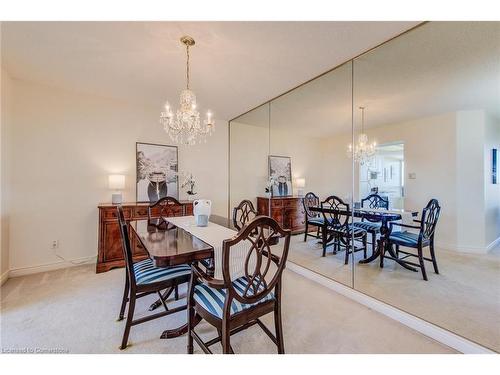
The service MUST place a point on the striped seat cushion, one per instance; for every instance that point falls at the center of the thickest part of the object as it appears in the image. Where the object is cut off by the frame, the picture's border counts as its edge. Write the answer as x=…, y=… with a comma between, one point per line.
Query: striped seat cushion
x=406, y=239
x=146, y=273
x=316, y=221
x=358, y=232
x=212, y=300
x=368, y=226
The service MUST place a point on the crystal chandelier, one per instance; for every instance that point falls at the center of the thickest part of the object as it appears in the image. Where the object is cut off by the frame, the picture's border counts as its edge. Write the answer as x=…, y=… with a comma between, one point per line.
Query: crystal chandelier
x=186, y=127
x=363, y=151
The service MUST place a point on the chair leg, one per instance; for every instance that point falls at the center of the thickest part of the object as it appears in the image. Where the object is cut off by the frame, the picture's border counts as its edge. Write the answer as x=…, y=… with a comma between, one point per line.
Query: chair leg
x=397, y=251
x=347, y=253
x=305, y=233
x=382, y=253
x=125, y=297
x=176, y=293
x=374, y=242
x=422, y=264
x=323, y=238
x=130, y=317
x=225, y=338
x=433, y=257
x=365, y=245
x=317, y=233
x=279, y=328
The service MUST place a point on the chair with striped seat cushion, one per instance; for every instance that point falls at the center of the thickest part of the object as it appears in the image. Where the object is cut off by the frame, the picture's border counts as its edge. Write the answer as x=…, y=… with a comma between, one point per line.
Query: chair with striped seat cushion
x=420, y=240
x=368, y=226
x=237, y=302
x=337, y=214
x=313, y=219
x=212, y=299
x=143, y=278
x=146, y=273
x=377, y=202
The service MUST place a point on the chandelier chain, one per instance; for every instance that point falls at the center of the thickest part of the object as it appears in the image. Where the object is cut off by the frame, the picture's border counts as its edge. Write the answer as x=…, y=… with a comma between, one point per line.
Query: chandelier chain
x=187, y=67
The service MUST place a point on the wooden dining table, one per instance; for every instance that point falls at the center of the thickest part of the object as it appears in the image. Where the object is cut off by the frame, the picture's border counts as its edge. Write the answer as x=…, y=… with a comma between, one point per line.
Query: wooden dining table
x=377, y=215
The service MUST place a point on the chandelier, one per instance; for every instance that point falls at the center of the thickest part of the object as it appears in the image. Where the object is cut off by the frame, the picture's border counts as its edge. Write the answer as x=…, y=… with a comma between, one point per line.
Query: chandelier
x=363, y=151
x=186, y=127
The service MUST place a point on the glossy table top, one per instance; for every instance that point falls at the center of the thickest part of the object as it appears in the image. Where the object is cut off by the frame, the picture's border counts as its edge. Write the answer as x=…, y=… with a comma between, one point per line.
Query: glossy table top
x=168, y=245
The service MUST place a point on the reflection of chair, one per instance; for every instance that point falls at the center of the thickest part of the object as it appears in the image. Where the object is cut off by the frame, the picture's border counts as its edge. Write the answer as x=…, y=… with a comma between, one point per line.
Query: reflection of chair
x=419, y=241
x=312, y=218
x=336, y=223
x=372, y=227
x=243, y=213
x=166, y=207
x=143, y=278
x=232, y=305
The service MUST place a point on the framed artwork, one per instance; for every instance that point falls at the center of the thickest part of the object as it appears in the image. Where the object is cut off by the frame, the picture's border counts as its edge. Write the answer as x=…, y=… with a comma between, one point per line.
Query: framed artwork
x=494, y=166
x=156, y=167
x=280, y=175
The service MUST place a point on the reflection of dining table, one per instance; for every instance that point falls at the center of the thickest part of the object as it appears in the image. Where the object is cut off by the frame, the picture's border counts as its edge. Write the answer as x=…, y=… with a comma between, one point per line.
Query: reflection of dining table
x=376, y=215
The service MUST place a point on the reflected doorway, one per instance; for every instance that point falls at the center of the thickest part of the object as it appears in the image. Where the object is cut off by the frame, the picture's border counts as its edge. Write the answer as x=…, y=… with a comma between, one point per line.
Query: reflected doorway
x=384, y=174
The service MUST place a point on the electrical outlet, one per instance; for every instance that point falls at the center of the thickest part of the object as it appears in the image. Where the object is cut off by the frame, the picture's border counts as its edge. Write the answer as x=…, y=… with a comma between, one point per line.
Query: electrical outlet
x=55, y=244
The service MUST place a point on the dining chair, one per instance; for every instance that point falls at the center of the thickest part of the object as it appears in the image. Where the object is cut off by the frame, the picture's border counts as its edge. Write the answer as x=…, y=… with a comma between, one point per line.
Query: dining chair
x=236, y=303
x=243, y=213
x=372, y=227
x=337, y=225
x=312, y=218
x=424, y=238
x=143, y=278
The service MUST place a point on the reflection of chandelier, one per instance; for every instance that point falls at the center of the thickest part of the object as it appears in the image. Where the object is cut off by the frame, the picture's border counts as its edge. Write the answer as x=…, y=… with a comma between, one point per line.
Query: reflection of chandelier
x=186, y=127
x=363, y=151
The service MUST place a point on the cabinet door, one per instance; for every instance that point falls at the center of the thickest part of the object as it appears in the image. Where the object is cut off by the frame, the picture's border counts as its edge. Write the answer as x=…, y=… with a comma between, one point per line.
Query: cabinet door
x=112, y=242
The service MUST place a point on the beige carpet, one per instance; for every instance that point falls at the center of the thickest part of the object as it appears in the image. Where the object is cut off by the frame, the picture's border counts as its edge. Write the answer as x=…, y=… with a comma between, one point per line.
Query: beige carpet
x=74, y=310
x=464, y=298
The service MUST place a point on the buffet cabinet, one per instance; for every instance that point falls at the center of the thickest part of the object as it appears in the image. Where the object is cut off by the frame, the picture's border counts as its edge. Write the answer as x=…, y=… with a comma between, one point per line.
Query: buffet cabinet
x=287, y=211
x=109, y=248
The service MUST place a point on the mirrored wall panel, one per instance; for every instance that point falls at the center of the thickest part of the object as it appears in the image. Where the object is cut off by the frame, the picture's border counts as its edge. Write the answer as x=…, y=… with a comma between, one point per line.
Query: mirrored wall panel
x=310, y=129
x=427, y=122
x=248, y=158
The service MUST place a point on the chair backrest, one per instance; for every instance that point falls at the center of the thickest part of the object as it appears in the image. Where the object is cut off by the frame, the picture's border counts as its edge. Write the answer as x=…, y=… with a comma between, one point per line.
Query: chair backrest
x=339, y=213
x=243, y=213
x=375, y=201
x=126, y=247
x=430, y=216
x=168, y=207
x=261, y=277
x=310, y=200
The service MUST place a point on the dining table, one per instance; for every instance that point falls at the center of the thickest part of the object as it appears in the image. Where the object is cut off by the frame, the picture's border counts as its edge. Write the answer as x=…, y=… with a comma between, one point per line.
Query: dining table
x=172, y=241
x=384, y=216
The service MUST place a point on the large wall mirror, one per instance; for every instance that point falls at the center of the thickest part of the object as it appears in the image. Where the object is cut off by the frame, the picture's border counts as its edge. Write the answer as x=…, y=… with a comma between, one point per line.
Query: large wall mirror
x=421, y=114
x=311, y=126
x=431, y=103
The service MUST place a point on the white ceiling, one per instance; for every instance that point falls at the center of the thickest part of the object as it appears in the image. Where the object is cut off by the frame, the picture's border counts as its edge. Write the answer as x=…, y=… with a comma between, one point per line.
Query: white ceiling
x=235, y=65
x=437, y=68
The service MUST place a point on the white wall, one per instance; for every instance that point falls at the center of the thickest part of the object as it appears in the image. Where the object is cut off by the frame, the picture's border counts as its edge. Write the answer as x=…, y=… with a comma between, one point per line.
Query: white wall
x=5, y=125
x=63, y=146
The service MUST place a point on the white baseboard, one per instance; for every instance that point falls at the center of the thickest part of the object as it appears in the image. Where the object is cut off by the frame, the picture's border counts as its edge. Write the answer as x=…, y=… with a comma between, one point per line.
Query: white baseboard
x=437, y=333
x=4, y=277
x=465, y=249
x=51, y=266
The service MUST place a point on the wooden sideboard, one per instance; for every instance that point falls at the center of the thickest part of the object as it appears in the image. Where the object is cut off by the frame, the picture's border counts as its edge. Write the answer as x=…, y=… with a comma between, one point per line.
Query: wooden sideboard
x=109, y=250
x=287, y=211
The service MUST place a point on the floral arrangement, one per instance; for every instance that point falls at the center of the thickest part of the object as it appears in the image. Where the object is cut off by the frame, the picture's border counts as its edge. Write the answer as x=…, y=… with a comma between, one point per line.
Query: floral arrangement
x=270, y=182
x=189, y=181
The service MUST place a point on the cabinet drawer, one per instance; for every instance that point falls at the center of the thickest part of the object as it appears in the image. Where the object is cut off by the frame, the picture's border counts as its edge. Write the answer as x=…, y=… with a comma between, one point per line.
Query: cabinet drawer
x=276, y=203
x=291, y=203
x=140, y=212
x=112, y=214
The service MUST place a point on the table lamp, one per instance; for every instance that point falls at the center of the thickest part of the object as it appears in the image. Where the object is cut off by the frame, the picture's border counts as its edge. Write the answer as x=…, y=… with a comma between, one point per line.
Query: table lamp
x=300, y=183
x=116, y=182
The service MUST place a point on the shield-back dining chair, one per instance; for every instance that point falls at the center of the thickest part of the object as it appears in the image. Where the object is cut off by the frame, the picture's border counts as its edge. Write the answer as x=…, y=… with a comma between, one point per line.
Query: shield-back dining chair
x=236, y=303
x=143, y=278
x=243, y=213
x=312, y=218
x=337, y=224
x=372, y=227
x=424, y=238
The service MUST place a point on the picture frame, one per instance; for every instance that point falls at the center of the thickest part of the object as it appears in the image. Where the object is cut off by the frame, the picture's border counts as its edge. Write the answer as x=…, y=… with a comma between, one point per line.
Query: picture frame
x=494, y=166
x=280, y=175
x=156, y=171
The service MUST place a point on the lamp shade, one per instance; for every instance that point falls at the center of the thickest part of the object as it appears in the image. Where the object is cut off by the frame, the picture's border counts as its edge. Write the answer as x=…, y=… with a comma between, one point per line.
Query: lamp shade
x=116, y=181
x=300, y=182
